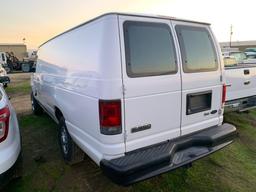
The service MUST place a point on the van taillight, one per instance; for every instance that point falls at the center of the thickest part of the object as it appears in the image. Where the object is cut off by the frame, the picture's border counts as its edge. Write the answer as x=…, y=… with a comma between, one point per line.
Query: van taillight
x=110, y=117
x=4, y=123
x=224, y=93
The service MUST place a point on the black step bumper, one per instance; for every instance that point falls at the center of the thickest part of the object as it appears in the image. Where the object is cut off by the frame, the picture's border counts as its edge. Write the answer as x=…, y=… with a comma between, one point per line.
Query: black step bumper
x=157, y=159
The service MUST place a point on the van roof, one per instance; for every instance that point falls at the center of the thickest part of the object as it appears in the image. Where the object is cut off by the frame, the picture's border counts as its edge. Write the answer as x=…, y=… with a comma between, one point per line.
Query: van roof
x=127, y=14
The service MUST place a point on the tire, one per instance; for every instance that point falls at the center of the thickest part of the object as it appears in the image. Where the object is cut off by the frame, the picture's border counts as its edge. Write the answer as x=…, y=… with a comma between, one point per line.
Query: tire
x=5, y=85
x=36, y=108
x=19, y=168
x=71, y=153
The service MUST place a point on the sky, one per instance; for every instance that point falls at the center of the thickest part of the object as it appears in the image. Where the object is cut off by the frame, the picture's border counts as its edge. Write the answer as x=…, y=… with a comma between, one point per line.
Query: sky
x=39, y=20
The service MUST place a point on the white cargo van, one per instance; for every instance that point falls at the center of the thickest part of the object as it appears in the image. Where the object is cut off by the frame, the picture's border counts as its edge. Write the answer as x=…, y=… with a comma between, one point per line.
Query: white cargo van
x=140, y=95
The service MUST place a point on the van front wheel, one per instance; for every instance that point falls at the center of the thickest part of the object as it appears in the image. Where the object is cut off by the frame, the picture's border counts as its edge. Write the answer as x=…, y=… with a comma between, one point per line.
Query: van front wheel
x=71, y=153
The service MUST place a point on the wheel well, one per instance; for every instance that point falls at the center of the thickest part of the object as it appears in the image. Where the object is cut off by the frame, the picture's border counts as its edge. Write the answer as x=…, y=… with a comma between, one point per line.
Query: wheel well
x=58, y=113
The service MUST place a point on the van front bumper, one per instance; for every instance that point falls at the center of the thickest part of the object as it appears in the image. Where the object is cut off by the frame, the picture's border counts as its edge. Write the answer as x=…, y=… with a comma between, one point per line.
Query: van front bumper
x=147, y=162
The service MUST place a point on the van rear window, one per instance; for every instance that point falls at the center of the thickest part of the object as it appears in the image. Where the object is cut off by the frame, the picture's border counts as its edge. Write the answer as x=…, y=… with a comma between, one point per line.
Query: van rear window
x=197, y=49
x=149, y=49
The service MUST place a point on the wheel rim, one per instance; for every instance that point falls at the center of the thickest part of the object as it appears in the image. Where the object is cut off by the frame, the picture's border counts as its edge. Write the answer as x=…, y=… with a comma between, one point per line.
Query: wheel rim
x=32, y=103
x=64, y=140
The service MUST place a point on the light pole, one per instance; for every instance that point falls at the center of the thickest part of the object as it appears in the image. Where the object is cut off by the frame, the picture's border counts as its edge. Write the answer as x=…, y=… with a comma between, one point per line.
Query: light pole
x=231, y=33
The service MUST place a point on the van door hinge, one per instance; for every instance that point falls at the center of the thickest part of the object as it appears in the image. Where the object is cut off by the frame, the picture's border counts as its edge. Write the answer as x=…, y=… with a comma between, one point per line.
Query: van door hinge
x=123, y=89
x=221, y=78
x=125, y=135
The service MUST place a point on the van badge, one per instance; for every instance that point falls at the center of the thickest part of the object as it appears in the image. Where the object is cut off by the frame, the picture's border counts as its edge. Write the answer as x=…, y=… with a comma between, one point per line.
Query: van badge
x=141, y=128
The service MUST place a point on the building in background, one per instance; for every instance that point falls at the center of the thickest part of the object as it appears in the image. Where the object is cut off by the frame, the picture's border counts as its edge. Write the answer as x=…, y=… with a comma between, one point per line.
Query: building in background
x=19, y=50
x=241, y=45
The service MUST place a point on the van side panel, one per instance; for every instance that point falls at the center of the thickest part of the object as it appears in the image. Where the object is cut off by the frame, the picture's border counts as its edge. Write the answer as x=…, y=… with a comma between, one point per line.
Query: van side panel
x=74, y=71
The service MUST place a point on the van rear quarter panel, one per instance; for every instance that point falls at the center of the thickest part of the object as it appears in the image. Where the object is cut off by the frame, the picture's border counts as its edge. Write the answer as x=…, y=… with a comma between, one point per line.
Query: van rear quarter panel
x=75, y=70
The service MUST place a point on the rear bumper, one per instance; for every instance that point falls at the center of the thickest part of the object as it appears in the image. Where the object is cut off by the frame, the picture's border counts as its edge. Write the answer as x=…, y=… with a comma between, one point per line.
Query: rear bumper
x=241, y=105
x=4, y=79
x=157, y=159
x=8, y=175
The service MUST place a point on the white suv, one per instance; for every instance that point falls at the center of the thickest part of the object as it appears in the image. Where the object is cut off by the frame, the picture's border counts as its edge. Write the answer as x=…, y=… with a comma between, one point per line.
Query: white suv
x=10, y=142
x=141, y=95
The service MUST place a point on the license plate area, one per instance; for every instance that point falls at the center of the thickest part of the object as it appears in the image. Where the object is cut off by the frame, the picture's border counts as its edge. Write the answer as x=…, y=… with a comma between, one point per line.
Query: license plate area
x=199, y=102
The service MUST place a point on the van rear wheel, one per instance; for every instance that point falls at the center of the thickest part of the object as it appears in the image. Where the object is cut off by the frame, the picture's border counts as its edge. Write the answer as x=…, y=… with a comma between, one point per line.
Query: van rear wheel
x=71, y=153
x=36, y=108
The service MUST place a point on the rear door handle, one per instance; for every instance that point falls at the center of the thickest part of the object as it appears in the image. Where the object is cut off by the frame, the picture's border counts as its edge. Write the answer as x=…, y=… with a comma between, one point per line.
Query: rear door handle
x=247, y=82
x=246, y=71
x=214, y=111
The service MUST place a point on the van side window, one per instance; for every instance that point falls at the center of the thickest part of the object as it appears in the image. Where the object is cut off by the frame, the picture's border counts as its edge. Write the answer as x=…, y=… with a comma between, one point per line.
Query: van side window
x=197, y=49
x=3, y=58
x=149, y=49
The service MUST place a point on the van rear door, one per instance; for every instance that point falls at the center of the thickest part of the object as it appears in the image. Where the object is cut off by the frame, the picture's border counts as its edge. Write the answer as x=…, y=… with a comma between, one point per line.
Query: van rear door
x=151, y=79
x=201, y=77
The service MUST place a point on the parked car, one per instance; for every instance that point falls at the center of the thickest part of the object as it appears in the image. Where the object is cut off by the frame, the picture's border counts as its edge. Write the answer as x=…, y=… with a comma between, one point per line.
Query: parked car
x=250, y=51
x=10, y=142
x=239, y=56
x=29, y=63
x=4, y=59
x=125, y=94
x=4, y=78
x=251, y=56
